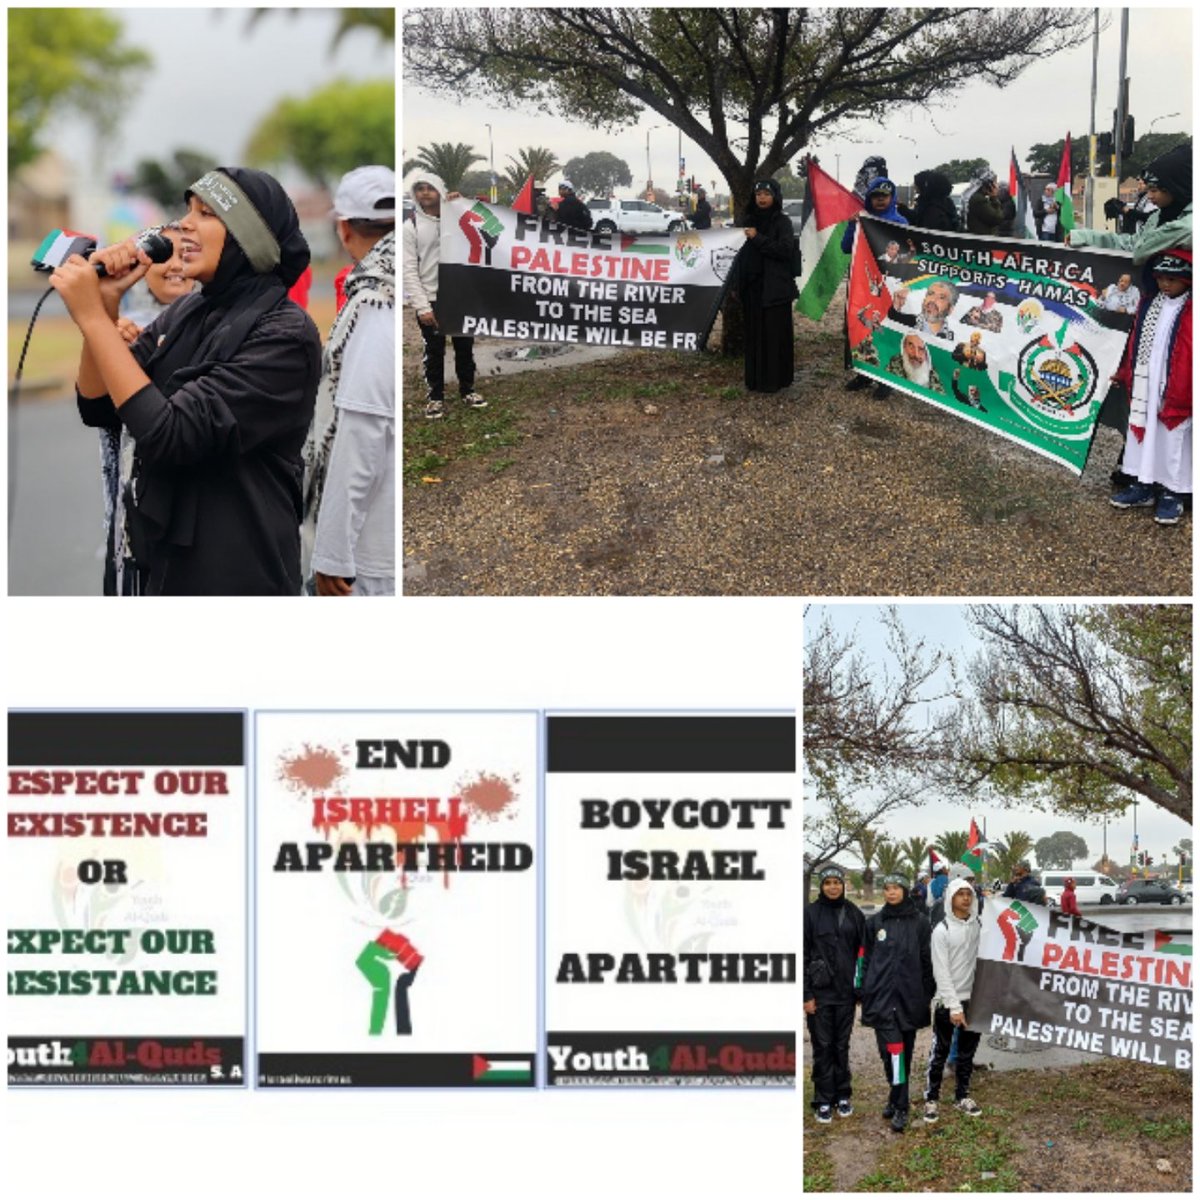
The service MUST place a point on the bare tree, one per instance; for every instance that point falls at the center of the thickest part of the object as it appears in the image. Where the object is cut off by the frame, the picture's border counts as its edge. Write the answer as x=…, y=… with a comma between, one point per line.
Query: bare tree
x=868, y=739
x=1077, y=709
x=752, y=87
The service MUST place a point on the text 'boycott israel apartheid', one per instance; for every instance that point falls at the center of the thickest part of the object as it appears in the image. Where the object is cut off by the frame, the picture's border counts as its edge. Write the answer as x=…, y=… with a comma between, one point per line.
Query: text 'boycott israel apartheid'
x=508, y=275
x=1054, y=980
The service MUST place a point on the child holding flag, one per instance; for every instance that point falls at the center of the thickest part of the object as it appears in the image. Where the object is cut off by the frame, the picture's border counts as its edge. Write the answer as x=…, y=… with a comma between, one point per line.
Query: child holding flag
x=898, y=985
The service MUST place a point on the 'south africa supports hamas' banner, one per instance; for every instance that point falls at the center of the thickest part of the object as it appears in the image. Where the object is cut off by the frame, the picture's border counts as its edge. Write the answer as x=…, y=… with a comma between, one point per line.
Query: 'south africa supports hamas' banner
x=510, y=275
x=1047, y=979
x=1012, y=335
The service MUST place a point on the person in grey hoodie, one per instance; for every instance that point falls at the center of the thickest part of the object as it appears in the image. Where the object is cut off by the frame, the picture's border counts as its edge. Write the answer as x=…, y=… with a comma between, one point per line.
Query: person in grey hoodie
x=422, y=256
x=954, y=947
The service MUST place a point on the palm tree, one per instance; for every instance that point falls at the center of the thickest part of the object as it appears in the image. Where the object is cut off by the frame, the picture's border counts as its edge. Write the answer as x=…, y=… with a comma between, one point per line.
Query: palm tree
x=530, y=160
x=1006, y=853
x=450, y=160
x=892, y=859
x=951, y=844
x=869, y=842
x=917, y=851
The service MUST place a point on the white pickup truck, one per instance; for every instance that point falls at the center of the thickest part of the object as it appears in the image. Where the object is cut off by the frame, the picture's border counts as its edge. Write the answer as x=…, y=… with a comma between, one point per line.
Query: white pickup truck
x=634, y=216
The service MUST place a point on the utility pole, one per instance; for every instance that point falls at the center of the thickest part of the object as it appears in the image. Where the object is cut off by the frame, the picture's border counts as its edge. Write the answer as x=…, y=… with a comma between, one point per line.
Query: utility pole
x=1089, y=203
x=1122, y=98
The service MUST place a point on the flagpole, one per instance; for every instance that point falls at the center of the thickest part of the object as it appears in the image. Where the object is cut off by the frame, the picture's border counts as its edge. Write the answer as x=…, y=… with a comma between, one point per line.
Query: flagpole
x=1089, y=204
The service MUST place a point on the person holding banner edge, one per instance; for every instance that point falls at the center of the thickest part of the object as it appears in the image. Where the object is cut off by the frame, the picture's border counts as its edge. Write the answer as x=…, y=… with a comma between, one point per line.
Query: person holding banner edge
x=833, y=949
x=954, y=949
x=766, y=282
x=898, y=985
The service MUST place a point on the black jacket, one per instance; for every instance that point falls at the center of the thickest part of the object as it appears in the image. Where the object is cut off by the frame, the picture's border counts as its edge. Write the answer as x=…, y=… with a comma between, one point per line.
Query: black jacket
x=898, y=983
x=934, y=208
x=702, y=217
x=768, y=257
x=573, y=212
x=227, y=443
x=833, y=935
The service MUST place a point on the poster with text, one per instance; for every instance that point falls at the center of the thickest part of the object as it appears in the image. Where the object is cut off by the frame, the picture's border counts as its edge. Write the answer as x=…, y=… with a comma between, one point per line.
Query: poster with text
x=672, y=900
x=1017, y=337
x=396, y=899
x=125, y=898
x=507, y=274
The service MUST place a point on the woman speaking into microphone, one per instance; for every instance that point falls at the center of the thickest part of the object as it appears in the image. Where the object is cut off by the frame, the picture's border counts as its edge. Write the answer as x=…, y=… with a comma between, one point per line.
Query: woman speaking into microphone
x=217, y=393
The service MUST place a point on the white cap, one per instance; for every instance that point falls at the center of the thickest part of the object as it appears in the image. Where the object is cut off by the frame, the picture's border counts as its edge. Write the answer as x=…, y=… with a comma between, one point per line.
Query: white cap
x=566, y=183
x=366, y=194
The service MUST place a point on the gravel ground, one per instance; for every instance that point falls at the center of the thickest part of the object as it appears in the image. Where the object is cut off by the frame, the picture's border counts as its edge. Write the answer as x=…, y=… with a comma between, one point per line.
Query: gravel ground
x=704, y=490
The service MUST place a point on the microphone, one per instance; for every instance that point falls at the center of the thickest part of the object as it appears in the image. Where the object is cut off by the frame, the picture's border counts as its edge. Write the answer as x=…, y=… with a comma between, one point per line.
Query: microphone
x=156, y=245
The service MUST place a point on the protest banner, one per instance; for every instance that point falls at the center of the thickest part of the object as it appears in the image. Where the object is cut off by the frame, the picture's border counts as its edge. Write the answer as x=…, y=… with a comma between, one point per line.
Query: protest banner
x=125, y=898
x=672, y=900
x=397, y=899
x=1011, y=335
x=509, y=274
x=1047, y=979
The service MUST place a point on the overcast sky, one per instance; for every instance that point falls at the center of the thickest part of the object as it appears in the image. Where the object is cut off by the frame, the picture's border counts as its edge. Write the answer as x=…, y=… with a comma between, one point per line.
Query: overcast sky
x=213, y=80
x=945, y=626
x=978, y=120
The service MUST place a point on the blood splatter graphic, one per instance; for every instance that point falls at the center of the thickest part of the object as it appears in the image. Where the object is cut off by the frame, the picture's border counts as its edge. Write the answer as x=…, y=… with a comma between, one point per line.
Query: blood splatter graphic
x=314, y=769
x=490, y=797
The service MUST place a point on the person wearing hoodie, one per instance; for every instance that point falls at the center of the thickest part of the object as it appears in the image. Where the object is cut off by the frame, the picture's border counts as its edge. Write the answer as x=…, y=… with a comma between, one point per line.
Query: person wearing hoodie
x=879, y=201
x=898, y=985
x=571, y=211
x=833, y=948
x=1069, y=902
x=1168, y=182
x=218, y=392
x=767, y=286
x=954, y=949
x=934, y=208
x=422, y=257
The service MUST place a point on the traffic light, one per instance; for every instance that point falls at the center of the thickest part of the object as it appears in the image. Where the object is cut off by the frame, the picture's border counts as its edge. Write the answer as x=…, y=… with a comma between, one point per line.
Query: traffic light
x=1104, y=144
x=1127, y=138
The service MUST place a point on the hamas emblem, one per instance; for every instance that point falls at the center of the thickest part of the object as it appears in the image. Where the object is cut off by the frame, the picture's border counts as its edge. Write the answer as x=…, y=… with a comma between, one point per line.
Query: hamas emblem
x=1056, y=380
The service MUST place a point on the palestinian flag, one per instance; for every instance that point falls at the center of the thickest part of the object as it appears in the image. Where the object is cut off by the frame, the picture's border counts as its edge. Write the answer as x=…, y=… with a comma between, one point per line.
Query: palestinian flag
x=896, y=1051
x=1066, y=209
x=975, y=848
x=1025, y=226
x=1171, y=943
x=858, y=969
x=524, y=201
x=500, y=1070
x=827, y=208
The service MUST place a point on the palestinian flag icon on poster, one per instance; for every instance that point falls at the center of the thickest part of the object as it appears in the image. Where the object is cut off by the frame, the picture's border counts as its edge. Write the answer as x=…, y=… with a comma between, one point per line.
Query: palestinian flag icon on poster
x=828, y=208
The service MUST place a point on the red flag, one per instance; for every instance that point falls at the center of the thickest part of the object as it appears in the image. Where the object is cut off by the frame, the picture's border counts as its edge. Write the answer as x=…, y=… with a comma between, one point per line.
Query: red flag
x=1064, y=167
x=524, y=201
x=973, y=837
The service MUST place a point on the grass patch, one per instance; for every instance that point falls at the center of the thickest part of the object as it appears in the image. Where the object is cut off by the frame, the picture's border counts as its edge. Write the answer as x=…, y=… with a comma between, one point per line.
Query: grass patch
x=818, y=1171
x=1168, y=1130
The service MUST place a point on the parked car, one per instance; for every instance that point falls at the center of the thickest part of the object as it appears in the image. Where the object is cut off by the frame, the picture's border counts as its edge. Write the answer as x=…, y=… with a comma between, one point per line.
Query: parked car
x=1149, y=891
x=634, y=216
x=1090, y=888
x=795, y=210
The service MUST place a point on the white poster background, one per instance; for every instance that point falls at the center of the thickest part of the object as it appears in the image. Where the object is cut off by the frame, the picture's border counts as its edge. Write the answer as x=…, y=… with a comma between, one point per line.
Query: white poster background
x=587, y=912
x=477, y=987
x=174, y=883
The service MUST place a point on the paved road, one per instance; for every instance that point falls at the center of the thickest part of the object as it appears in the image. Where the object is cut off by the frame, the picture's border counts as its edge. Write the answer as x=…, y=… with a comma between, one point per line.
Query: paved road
x=56, y=509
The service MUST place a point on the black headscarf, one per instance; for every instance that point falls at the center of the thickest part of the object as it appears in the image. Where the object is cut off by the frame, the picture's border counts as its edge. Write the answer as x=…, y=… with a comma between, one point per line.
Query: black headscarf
x=759, y=218
x=1173, y=173
x=223, y=312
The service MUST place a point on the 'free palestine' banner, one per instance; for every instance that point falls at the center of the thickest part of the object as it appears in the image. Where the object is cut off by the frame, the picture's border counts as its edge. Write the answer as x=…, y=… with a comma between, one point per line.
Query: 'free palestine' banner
x=1012, y=335
x=1048, y=979
x=510, y=275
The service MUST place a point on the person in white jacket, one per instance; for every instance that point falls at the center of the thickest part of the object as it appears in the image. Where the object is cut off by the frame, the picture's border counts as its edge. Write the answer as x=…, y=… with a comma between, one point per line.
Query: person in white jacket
x=954, y=947
x=422, y=256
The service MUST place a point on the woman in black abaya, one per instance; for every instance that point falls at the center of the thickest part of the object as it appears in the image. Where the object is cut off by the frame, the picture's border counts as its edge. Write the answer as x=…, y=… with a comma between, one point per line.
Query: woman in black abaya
x=767, y=288
x=218, y=392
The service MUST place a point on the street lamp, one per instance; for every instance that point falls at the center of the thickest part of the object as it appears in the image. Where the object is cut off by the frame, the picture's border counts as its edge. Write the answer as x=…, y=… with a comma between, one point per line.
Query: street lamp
x=491, y=165
x=649, y=174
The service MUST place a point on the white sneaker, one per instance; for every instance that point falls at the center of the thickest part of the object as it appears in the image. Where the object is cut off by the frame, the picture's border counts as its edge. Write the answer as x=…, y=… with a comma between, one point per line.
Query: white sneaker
x=474, y=400
x=968, y=1106
x=931, y=1111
